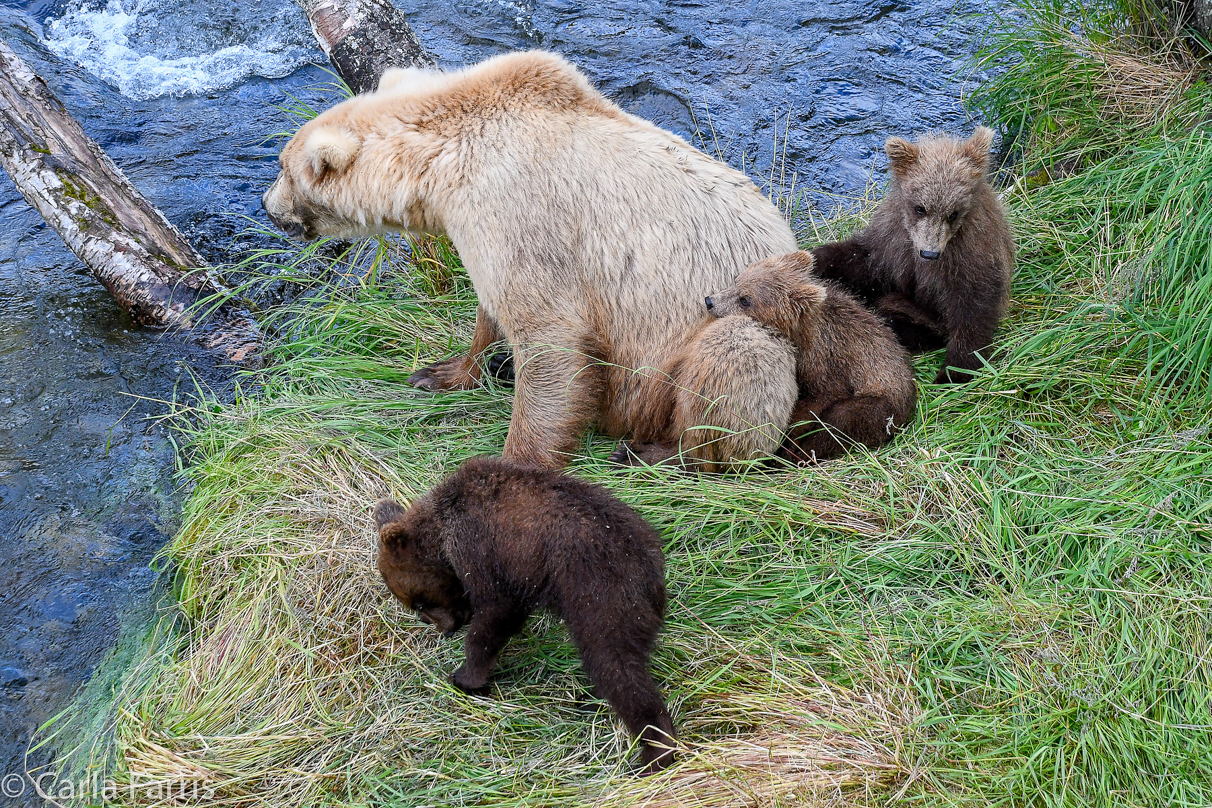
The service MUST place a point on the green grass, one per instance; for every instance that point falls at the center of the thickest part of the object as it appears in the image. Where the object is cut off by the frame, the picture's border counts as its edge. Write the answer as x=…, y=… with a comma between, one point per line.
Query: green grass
x=1009, y=605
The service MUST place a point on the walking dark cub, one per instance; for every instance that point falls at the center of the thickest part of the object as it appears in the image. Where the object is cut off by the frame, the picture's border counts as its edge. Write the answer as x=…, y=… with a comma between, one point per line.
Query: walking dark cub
x=935, y=261
x=495, y=541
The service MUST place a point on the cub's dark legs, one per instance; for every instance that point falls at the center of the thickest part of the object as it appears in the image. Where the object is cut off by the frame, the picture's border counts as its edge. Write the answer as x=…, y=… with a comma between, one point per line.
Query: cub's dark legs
x=492, y=624
x=914, y=327
x=970, y=329
x=869, y=420
x=619, y=672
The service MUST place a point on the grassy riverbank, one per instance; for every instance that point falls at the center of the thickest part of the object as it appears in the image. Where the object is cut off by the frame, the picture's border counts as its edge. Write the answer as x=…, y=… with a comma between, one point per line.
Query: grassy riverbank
x=1010, y=605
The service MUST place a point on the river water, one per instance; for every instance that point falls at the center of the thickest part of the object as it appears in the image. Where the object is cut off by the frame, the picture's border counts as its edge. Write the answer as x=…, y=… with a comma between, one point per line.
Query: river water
x=182, y=95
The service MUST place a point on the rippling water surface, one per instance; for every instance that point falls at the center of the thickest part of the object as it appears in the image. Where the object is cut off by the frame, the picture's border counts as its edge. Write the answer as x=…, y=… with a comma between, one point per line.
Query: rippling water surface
x=181, y=95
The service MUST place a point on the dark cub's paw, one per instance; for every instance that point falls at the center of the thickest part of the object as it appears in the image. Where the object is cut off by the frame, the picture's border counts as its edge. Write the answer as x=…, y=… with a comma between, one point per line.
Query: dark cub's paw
x=468, y=684
x=953, y=376
x=500, y=367
x=623, y=456
x=656, y=757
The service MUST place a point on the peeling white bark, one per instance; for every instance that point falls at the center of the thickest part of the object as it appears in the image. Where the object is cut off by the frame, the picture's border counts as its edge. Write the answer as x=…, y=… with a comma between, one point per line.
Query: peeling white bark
x=362, y=38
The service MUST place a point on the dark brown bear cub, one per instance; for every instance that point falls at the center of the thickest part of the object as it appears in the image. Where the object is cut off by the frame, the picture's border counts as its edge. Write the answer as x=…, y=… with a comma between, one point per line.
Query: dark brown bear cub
x=495, y=541
x=855, y=380
x=935, y=261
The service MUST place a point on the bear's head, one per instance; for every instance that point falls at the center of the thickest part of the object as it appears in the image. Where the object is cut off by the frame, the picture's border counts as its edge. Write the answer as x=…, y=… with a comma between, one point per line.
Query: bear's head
x=411, y=564
x=935, y=184
x=777, y=292
x=358, y=168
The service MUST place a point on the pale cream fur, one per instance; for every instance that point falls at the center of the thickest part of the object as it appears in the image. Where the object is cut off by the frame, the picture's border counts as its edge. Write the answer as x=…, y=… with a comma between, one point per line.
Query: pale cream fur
x=591, y=236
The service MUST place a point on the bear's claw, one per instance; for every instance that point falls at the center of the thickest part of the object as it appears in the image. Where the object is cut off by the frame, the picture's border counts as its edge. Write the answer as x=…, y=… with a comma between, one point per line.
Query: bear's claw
x=449, y=374
x=468, y=688
x=423, y=379
x=623, y=456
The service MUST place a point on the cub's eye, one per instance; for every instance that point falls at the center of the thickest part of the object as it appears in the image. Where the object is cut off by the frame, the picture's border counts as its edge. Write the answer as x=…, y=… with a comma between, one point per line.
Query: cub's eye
x=919, y=210
x=418, y=606
x=952, y=216
x=745, y=302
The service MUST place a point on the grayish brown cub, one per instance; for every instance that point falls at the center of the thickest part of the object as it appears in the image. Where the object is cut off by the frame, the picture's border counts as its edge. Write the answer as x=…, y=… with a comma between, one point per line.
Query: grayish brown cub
x=936, y=260
x=855, y=380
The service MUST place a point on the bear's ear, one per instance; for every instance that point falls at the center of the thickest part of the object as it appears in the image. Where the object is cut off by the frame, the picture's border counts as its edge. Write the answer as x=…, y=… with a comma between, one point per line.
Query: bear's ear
x=809, y=296
x=901, y=154
x=802, y=265
x=331, y=149
x=395, y=77
x=976, y=148
x=388, y=511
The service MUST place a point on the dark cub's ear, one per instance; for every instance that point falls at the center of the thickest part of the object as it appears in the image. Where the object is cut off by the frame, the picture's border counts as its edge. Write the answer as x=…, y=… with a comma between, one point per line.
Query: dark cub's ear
x=902, y=154
x=387, y=512
x=976, y=148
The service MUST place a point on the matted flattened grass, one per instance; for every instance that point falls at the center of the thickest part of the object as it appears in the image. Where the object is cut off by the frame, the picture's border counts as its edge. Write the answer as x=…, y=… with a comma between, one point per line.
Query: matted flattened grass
x=1009, y=605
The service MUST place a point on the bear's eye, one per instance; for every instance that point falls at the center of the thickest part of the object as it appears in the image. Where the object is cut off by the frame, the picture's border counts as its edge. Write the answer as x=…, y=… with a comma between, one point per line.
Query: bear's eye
x=745, y=302
x=919, y=210
x=952, y=216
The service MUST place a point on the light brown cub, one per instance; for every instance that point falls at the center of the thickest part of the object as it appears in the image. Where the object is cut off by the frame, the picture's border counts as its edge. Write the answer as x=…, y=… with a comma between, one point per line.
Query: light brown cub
x=855, y=380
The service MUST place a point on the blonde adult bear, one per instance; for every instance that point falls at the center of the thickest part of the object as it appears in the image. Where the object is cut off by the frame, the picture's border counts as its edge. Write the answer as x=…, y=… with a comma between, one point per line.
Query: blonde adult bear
x=590, y=235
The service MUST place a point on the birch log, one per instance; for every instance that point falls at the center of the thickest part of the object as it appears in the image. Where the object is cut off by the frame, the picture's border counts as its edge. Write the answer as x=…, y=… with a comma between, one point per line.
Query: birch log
x=362, y=38
x=151, y=270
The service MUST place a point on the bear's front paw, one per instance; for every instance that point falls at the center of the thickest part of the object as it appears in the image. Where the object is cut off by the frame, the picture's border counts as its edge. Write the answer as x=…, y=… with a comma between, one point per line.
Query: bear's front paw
x=449, y=374
x=423, y=380
x=623, y=456
x=473, y=686
x=653, y=759
x=953, y=376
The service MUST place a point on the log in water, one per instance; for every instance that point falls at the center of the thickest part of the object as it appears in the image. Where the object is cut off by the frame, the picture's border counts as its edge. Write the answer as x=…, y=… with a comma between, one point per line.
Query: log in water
x=136, y=254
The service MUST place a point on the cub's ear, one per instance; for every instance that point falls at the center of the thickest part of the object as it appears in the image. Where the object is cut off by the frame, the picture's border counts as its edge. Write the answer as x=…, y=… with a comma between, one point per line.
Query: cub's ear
x=976, y=148
x=901, y=154
x=809, y=296
x=331, y=149
x=801, y=264
x=388, y=511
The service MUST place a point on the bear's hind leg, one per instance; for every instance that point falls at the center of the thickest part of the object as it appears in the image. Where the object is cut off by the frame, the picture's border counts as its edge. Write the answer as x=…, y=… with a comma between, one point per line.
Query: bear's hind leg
x=620, y=675
x=461, y=372
x=491, y=626
x=827, y=431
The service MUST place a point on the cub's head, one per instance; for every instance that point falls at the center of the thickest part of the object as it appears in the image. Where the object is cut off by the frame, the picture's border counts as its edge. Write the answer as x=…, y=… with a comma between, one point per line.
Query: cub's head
x=411, y=565
x=936, y=181
x=777, y=292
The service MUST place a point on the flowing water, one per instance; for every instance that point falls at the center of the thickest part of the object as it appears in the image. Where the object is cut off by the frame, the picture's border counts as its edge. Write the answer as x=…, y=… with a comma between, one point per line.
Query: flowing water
x=182, y=94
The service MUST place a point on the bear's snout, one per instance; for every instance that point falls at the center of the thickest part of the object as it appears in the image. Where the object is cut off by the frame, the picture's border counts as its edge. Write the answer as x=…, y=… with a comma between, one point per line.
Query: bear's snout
x=710, y=303
x=929, y=255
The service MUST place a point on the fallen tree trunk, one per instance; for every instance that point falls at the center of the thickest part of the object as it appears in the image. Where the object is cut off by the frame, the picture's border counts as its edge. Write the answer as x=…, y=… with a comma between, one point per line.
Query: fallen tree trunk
x=362, y=38
x=151, y=270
